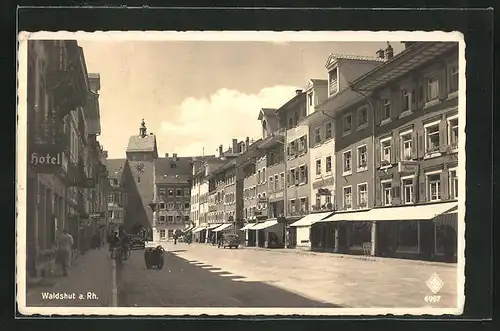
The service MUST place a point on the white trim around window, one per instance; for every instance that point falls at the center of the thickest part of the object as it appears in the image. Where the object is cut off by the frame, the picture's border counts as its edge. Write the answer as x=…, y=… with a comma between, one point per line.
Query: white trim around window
x=358, y=166
x=434, y=172
x=343, y=196
x=385, y=139
x=433, y=123
x=346, y=172
x=406, y=132
x=408, y=177
x=452, y=117
x=383, y=181
x=358, y=195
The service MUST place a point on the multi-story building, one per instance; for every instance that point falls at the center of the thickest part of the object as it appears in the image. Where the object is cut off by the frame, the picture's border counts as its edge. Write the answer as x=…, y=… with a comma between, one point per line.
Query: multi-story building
x=172, y=181
x=324, y=128
x=117, y=195
x=396, y=155
x=63, y=159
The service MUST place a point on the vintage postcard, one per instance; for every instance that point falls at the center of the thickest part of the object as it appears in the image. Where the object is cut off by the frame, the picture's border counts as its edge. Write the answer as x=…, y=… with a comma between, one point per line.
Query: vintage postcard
x=241, y=173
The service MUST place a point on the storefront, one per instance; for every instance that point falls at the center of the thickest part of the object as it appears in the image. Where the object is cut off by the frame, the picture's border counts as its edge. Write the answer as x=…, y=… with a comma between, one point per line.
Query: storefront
x=250, y=236
x=210, y=234
x=221, y=229
x=305, y=234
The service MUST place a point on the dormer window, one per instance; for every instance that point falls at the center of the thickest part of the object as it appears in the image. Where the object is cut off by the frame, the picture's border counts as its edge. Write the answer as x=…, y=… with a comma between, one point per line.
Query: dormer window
x=333, y=85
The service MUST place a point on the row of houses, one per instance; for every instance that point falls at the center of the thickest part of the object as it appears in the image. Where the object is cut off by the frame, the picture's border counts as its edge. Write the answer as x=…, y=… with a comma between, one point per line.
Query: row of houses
x=364, y=160
x=66, y=174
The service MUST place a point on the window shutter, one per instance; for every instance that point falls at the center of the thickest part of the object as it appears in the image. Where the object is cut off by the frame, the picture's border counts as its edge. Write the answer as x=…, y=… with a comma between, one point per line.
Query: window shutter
x=377, y=153
x=414, y=144
x=444, y=186
x=378, y=194
x=421, y=144
x=442, y=136
x=422, y=190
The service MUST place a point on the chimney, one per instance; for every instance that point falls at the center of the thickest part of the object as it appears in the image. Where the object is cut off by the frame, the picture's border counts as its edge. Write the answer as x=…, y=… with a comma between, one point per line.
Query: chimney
x=220, y=150
x=380, y=54
x=247, y=143
x=166, y=154
x=235, y=145
x=298, y=92
x=389, y=52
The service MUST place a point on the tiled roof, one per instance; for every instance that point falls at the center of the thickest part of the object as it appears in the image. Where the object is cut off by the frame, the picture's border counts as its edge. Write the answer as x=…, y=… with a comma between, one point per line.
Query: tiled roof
x=141, y=144
x=166, y=173
x=334, y=57
x=115, y=168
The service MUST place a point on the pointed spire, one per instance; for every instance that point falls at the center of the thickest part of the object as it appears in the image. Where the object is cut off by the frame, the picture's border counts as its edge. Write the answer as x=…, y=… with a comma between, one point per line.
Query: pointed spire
x=143, y=129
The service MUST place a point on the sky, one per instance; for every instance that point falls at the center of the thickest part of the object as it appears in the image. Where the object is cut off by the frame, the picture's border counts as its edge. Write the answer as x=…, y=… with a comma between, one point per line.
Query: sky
x=197, y=95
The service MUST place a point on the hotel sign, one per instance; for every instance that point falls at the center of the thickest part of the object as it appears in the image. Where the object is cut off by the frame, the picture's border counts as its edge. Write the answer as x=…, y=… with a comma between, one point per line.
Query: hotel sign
x=49, y=162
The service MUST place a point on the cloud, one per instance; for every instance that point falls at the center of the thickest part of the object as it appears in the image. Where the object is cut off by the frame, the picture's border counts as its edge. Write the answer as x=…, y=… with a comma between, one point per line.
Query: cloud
x=226, y=114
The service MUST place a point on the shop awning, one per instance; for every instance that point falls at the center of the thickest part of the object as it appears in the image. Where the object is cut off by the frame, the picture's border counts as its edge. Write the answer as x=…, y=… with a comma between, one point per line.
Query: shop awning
x=264, y=225
x=199, y=229
x=222, y=227
x=311, y=218
x=248, y=226
x=213, y=226
x=404, y=213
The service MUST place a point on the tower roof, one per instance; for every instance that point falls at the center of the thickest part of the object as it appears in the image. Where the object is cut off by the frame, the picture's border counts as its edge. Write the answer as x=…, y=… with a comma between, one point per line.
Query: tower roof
x=143, y=142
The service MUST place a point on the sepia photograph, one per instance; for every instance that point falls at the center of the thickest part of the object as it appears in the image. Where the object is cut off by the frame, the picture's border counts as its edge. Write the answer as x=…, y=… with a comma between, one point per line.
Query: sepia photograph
x=241, y=173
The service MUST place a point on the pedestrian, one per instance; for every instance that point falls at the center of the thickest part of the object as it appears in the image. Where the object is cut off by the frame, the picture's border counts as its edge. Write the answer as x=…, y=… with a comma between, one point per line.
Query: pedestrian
x=64, y=246
x=213, y=239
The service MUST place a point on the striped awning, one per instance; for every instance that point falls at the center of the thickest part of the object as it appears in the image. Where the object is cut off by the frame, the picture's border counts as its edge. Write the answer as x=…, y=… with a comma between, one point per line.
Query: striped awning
x=247, y=227
x=222, y=227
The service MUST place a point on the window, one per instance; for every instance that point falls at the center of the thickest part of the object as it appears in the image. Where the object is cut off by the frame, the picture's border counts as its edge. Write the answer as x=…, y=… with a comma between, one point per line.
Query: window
x=432, y=138
x=180, y=206
x=276, y=182
x=434, y=187
x=310, y=97
x=347, y=197
x=453, y=79
x=406, y=100
x=362, y=195
x=282, y=179
x=303, y=174
x=171, y=192
x=170, y=205
x=386, y=151
x=317, y=135
x=453, y=133
x=111, y=198
x=178, y=219
x=406, y=146
x=258, y=177
x=110, y=214
x=333, y=81
x=362, y=157
x=293, y=206
x=432, y=88
x=187, y=192
x=318, y=200
x=186, y=219
x=162, y=192
x=347, y=122
x=328, y=130
x=407, y=185
x=347, y=161
x=303, y=205
x=162, y=205
x=271, y=183
x=328, y=164
x=263, y=175
x=162, y=233
x=386, y=194
x=162, y=219
x=453, y=184
x=363, y=116
x=178, y=192
x=386, y=111
x=302, y=143
x=291, y=180
x=318, y=167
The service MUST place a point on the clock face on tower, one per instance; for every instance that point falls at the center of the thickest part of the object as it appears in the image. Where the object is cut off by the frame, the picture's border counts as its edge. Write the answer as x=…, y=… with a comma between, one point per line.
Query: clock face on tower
x=139, y=168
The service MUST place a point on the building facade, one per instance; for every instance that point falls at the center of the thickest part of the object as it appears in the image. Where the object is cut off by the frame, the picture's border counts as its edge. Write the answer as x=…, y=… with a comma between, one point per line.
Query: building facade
x=64, y=170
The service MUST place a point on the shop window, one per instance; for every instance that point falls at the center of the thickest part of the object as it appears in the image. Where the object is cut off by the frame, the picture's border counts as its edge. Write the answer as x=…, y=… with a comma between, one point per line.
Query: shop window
x=362, y=195
x=362, y=158
x=347, y=199
x=347, y=124
x=328, y=165
x=406, y=146
x=432, y=89
x=434, y=187
x=318, y=167
x=407, y=187
x=453, y=184
x=347, y=162
x=387, y=197
x=386, y=110
x=407, y=236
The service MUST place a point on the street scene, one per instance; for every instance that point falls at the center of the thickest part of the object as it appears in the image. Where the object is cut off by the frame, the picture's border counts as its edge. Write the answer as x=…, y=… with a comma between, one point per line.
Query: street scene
x=243, y=174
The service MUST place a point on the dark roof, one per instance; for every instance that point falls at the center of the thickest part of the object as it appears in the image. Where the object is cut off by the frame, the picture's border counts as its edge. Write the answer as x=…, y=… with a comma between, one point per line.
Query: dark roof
x=172, y=170
x=115, y=168
x=267, y=112
x=142, y=144
x=335, y=57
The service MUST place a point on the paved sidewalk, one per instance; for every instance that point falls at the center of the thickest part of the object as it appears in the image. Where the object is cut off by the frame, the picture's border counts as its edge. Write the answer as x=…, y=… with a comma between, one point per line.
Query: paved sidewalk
x=89, y=284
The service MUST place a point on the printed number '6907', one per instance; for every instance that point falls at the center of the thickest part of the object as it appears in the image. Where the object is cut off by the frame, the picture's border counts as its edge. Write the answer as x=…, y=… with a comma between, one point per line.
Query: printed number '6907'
x=432, y=298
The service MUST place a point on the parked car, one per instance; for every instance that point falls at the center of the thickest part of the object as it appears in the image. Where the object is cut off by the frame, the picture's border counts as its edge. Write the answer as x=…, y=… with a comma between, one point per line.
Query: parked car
x=137, y=242
x=230, y=240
